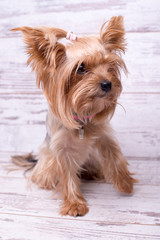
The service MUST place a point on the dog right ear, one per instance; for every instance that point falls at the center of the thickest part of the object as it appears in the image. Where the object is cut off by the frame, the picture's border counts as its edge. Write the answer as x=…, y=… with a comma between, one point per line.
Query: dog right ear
x=44, y=50
x=112, y=34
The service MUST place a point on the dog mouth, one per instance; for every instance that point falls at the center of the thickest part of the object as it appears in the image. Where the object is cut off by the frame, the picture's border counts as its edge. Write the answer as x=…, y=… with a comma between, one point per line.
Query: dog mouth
x=104, y=95
x=101, y=95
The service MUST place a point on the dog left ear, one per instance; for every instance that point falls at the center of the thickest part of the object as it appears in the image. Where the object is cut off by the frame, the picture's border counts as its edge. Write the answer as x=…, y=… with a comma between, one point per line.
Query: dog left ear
x=44, y=50
x=112, y=34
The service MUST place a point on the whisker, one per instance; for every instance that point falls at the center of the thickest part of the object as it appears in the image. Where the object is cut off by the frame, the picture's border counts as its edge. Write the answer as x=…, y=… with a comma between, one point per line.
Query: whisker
x=122, y=107
x=117, y=103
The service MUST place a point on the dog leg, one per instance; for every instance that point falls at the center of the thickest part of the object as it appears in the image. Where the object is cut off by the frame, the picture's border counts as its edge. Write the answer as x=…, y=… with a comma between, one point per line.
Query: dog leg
x=74, y=203
x=60, y=174
x=44, y=174
x=115, y=165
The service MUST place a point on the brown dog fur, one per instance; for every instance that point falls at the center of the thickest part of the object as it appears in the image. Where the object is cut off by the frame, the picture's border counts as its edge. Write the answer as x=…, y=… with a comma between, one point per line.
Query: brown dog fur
x=64, y=156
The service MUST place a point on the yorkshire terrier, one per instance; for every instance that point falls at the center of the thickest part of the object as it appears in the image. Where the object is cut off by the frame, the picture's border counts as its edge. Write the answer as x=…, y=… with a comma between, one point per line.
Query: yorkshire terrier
x=81, y=82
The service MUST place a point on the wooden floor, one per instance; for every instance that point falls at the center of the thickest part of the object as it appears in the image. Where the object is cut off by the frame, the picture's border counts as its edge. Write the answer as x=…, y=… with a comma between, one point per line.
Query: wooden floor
x=32, y=214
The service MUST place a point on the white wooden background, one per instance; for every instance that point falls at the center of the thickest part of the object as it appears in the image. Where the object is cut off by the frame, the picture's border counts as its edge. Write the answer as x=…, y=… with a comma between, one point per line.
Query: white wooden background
x=34, y=214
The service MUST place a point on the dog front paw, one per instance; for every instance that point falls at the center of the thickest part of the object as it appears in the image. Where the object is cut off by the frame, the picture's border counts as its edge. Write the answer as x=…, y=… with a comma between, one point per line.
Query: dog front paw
x=43, y=182
x=74, y=209
x=125, y=184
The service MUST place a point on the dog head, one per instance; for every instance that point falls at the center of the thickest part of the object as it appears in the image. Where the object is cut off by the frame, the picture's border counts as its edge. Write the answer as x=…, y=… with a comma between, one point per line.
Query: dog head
x=82, y=78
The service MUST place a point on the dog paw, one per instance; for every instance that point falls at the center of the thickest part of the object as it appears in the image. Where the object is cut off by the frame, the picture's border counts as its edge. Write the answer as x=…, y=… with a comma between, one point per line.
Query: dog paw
x=125, y=184
x=74, y=209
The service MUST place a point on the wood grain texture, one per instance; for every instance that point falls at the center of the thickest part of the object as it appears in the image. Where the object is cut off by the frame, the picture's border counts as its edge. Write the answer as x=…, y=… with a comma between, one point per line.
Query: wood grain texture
x=113, y=209
x=61, y=229
x=119, y=216
x=73, y=14
x=33, y=214
x=117, y=212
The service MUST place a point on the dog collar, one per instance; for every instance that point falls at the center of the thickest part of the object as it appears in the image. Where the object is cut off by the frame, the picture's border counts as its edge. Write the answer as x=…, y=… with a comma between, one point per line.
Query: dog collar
x=77, y=118
x=81, y=129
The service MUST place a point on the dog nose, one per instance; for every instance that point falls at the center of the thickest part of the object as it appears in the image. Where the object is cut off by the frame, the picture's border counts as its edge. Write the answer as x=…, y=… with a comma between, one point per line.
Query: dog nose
x=106, y=86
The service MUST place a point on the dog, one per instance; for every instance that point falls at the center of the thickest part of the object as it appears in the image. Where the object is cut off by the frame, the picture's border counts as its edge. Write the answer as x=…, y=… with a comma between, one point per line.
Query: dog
x=81, y=82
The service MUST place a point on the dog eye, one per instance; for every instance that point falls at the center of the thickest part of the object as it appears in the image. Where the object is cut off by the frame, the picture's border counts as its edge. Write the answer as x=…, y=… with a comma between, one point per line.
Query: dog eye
x=81, y=69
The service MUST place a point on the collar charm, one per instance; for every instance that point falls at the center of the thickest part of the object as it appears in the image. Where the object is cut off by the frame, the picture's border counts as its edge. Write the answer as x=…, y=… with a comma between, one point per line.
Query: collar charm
x=81, y=133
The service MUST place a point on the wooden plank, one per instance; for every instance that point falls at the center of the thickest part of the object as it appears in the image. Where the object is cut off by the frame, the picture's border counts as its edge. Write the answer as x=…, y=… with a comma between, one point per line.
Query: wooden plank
x=22, y=138
x=138, y=130
x=22, y=124
x=105, y=203
x=30, y=227
x=142, y=59
x=27, y=109
x=75, y=14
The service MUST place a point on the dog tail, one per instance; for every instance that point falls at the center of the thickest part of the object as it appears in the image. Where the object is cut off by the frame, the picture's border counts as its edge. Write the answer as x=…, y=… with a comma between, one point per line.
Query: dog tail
x=26, y=162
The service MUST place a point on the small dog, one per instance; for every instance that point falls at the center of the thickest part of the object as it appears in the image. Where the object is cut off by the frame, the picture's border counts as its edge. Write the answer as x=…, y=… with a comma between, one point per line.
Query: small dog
x=81, y=81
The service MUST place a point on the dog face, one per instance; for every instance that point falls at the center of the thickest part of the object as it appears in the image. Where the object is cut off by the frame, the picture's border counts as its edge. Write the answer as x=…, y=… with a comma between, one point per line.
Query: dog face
x=82, y=78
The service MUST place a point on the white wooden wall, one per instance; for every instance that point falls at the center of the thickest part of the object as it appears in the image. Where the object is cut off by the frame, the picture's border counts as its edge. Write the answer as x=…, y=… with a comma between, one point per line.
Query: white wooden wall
x=23, y=107
x=34, y=215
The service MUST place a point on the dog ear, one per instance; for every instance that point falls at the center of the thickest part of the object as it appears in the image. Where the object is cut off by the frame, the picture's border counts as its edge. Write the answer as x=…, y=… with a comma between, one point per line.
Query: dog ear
x=47, y=57
x=44, y=50
x=112, y=34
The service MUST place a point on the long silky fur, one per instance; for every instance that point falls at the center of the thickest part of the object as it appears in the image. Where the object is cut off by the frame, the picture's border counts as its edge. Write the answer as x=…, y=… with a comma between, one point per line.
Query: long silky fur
x=64, y=157
x=26, y=162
